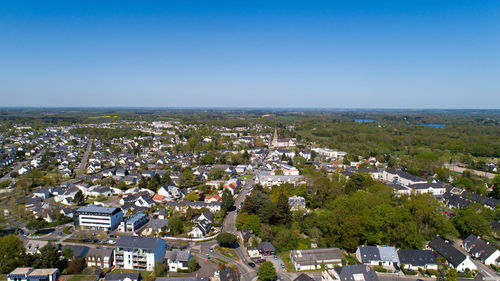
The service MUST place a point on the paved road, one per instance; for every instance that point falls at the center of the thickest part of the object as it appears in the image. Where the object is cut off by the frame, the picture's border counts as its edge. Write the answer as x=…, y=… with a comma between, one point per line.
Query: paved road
x=456, y=168
x=18, y=165
x=83, y=164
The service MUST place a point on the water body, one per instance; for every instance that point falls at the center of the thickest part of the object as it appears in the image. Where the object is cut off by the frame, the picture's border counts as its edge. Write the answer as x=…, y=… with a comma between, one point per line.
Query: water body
x=364, y=120
x=433, y=125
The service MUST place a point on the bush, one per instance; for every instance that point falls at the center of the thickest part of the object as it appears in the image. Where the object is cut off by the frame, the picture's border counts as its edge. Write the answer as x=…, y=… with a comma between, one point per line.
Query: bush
x=408, y=271
x=379, y=268
x=433, y=272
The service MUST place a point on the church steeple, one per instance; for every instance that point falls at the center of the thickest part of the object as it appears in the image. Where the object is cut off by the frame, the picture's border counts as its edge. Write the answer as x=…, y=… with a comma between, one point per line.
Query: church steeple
x=275, y=138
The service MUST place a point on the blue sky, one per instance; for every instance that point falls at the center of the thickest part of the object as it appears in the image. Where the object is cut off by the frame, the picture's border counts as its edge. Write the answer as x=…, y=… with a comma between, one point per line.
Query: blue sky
x=331, y=54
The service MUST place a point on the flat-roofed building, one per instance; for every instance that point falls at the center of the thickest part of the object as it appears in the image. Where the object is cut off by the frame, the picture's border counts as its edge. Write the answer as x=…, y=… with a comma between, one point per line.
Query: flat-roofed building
x=313, y=259
x=31, y=274
x=97, y=217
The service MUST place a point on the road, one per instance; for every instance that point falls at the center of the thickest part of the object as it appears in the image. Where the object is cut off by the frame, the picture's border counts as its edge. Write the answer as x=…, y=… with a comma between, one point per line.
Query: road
x=454, y=167
x=18, y=165
x=83, y=164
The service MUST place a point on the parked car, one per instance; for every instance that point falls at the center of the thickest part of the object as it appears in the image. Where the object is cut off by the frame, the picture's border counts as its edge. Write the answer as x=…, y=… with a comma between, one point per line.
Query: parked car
x=261, y=260
x=251, y=264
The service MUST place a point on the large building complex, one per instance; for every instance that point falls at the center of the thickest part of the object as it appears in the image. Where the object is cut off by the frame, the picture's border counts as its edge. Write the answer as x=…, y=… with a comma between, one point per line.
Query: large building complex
x=97, y=217
x=139, y=252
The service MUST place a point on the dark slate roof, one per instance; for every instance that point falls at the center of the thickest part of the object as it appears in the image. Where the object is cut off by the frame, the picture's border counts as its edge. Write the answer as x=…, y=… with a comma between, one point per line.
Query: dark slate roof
x=405, y=175
x=346, y=273
x=447, y=251
x=121, y=276
x=228, y=274
x=426, y=185
x=138, y=242
x=416, y=257
x=469, y=240
x=266, y=247
x=182, y=278
x=369, y=253
x=304, y=277
x=482, y=250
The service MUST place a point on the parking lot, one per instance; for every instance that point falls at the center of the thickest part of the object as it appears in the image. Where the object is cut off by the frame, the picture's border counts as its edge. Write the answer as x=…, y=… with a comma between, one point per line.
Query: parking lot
x=277, y=262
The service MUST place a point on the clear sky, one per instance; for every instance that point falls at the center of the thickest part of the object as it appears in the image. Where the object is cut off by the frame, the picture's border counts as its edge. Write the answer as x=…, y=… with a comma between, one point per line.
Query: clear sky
x=331, y=54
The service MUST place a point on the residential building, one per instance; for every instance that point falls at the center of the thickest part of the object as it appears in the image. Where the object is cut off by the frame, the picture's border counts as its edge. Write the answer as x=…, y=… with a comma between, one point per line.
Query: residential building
x=115, y=276
x=100, y=257
x=455, y=257
x=97, y=217
x=133, y=223
x=138, y=252
x=403, y=178
x=313, y=259
x=296, y=202
x=178, y=259
x=32, y=274
x=414, y=259
x=266, y=249
x=358, y=272
x=481, y=250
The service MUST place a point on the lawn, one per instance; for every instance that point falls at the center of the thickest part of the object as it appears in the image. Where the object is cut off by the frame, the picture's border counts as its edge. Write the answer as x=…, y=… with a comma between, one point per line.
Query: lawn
x=230, y=253
x=77, y=277
x=285, y=257
x=144, y=274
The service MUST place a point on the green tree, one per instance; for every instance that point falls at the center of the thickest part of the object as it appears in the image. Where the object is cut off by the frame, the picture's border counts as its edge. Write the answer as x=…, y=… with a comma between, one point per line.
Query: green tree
x=192, y=264
x=50, y=257
x=266, y=271
x=192, y=196
x=227, y=200
x=175, y=225
x=226, y=239
x=79, y=199
x=452, y=275
x=282, y=213
x=469, y=221
x=11, y=253
x=160, y=269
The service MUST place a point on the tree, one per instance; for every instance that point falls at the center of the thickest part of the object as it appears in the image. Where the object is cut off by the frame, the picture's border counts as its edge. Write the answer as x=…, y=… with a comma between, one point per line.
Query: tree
x=79, y=199
x=192, y=196
x=50, y=257
x=470, y=221
x=227, y=239
x=192, y=264
x=159, y=269
x=266, y=272
x=175, y=225
x=452, y=275
x=75, y=265
x=282, y=214
x=11, y=253
x=227, y=200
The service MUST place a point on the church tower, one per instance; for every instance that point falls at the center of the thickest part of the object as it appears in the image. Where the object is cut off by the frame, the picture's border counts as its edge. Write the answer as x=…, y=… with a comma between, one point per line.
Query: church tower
x=275, y=138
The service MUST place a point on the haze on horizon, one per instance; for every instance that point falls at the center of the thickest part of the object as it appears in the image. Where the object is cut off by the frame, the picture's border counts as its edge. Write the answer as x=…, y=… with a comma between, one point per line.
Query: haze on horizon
x=292, y=54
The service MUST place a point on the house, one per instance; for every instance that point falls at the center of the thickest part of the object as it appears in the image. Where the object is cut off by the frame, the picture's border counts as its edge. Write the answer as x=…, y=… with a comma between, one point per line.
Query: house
x=96, y=217
x=266, y=249
x=133, y=223
x=267, y=180
x=228, y=274
x=481, y=250
x=100, y=257
x=187, y=278
x=42, y=192
x=138, y=252
x=178, y=259
x=213, y=198
x=414, y=259
x=201, y=229
x=145, y=201
x=34, y=246
x=313, y=259
x=436, y=189
x=403, y=178
x=206, y=215
x=162, y=213
x=304, y=277
x=154, y=226
x=31, y=274
x=399, y=189
x=454, y=257
x=296, y=202
x=131, y=276
x=368, y=255
x=358, y=272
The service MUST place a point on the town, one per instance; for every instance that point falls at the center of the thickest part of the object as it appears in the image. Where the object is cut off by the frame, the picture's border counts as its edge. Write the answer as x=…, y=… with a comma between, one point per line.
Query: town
x=170, y=200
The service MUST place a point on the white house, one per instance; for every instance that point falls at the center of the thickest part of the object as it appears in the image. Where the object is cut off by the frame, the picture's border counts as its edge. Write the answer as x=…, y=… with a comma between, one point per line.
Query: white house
x=31, y=274
x=313, y=259
x=177, y=259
